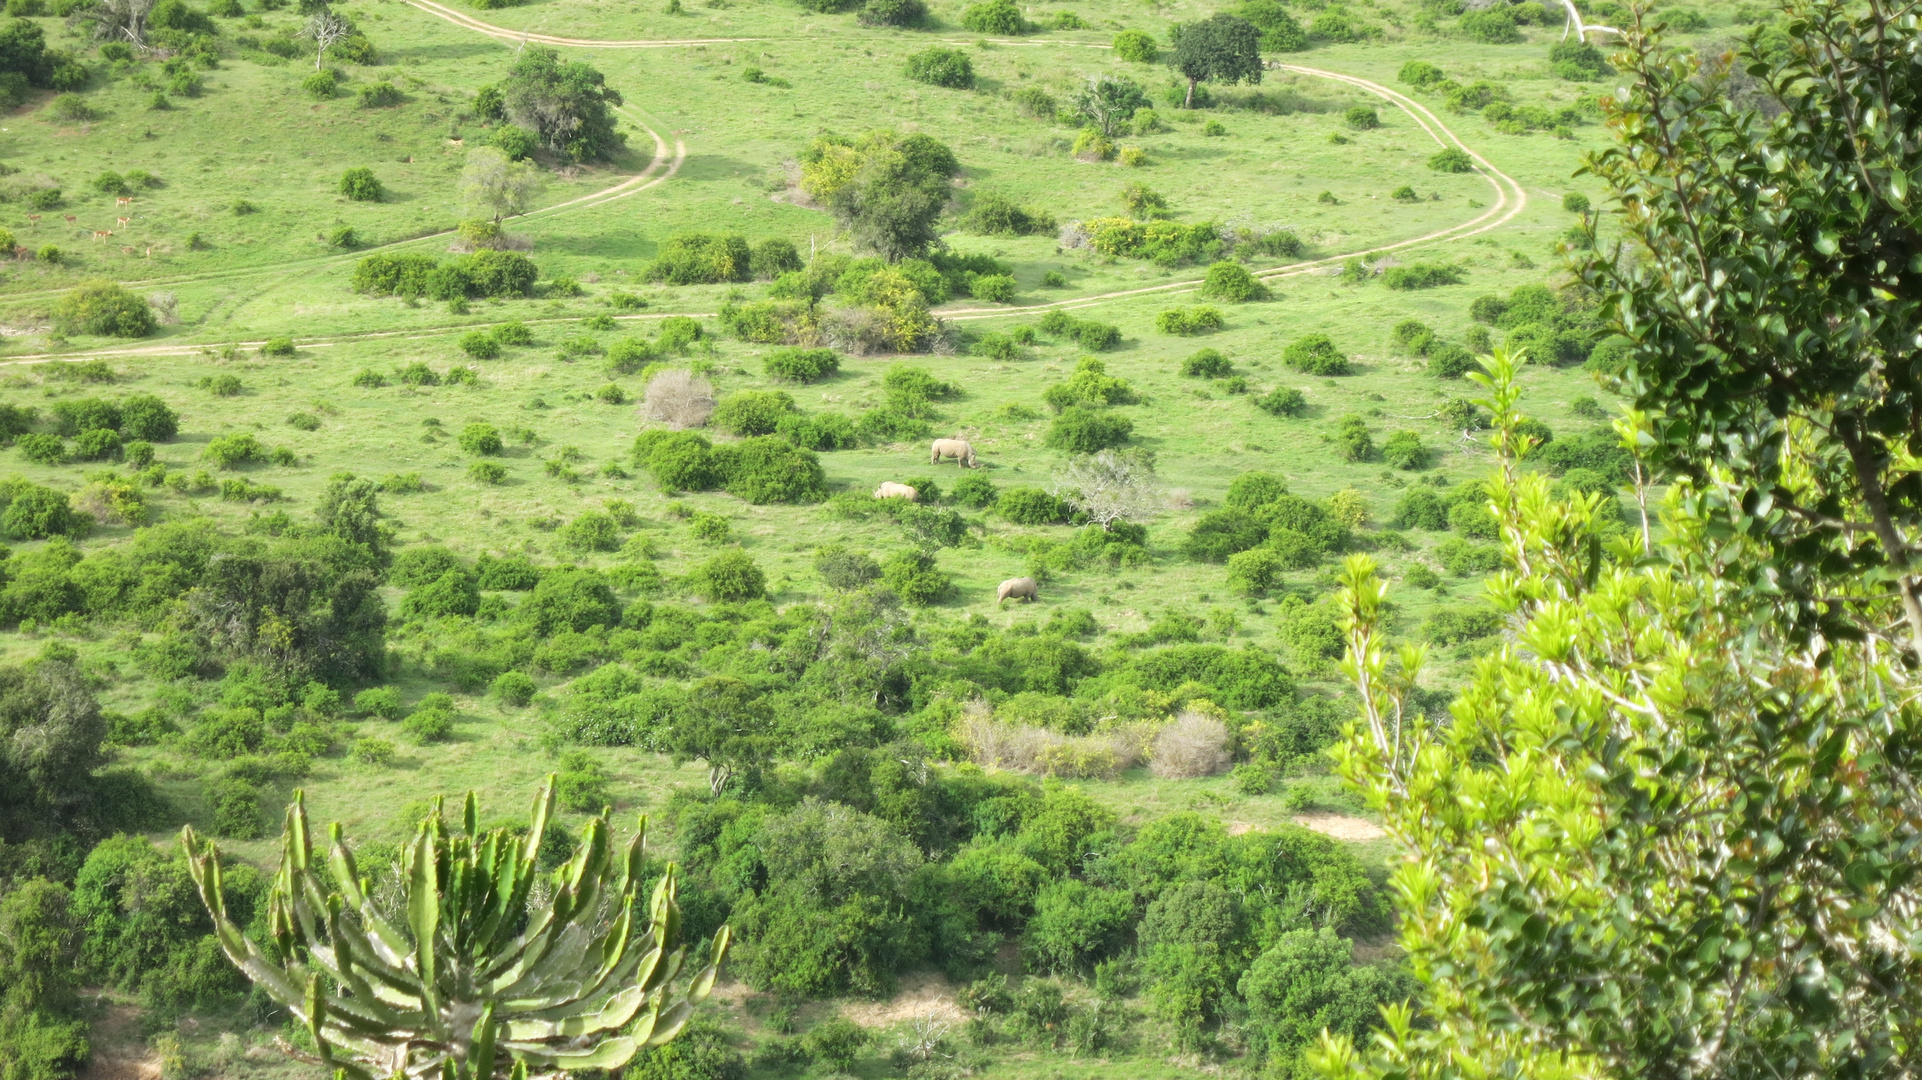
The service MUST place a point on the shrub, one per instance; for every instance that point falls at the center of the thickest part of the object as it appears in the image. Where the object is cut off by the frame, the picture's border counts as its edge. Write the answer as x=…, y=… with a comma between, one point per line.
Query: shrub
x=728, y=578
x=892, y=13
x=104, y=308
x=1282, y=401
x=513, y=688
x=235, y=802
x=379, y=95
x=1578, y=61
x=361, y=185
x=845, y=570
x=1231, y=281
x=1352, y=440
x=974, y=491
x=1420, y=74
x=916, y=579
x=379, y=701
x=481, y=439
x=72, y=108
x=43, y=449
x=948, y=68
x=1136, y=46
x=995, y=214
x=233, y=451
x=487, y=472
x=595, y=530
x=1083, y=430
x=1362, y=118
x=1450, y=361
x=1316, y=355
x=1189, y=321
x=321, y=86
x=1412, y=336
x=1452, y=160
x=1255, y=571
x=769, y=469
x=1191, y=745
x=1493, y=26
x=97, y=444
x=1404, y=450
x=480, y=345
x=702, y=259
x=993, y=288
x=429, y=725
x=1421, y=508
x=1207, y=364
x=1575, y=202
x=1031, y=506
x=994, y=17
x=630, y=355
x=1422, y=276
x=773, y=257
x=752, y=412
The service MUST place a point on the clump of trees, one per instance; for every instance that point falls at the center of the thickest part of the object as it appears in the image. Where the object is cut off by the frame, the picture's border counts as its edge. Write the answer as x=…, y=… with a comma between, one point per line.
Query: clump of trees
x=567, y=105
x=887, y=190
x=485, y=273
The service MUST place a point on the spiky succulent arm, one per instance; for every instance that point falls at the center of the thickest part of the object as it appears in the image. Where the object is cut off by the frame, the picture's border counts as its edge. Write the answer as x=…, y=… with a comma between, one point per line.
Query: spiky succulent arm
x=470, y=983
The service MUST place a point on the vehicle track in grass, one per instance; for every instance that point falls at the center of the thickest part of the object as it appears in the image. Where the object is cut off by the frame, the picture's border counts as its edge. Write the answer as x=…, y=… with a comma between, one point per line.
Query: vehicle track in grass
x=1510, y=199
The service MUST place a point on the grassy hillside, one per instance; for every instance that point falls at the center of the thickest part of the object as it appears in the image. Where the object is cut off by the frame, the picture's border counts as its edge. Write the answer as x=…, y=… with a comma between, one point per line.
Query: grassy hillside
x=240, y=241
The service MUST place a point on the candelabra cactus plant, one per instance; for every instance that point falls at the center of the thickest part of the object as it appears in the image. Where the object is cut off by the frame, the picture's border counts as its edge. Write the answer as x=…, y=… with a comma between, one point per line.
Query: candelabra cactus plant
x=469, y=981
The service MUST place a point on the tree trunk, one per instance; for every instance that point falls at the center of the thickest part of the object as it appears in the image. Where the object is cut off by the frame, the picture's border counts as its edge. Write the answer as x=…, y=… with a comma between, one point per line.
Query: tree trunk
x=1190, y=102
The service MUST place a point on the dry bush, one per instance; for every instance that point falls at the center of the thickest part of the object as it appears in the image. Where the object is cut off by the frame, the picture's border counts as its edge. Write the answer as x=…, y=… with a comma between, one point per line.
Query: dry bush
x=678, y=398
x=1193, y=744
x=1102, y=755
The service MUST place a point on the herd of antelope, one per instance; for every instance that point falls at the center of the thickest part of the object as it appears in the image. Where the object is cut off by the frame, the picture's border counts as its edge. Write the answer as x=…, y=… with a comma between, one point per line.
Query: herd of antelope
x=99, y=235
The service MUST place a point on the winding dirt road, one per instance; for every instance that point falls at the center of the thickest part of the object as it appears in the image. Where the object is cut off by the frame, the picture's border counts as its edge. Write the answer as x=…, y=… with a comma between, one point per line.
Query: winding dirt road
x=1510, y=200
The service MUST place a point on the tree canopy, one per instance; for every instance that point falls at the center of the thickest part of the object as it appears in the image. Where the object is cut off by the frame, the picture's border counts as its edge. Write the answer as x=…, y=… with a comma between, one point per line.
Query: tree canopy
x=1220, y=48
x=566, y=103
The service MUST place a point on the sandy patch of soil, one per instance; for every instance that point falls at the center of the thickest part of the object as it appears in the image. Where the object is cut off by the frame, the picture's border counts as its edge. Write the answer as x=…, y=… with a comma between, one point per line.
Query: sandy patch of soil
x=1351, y=829
x=925, y=994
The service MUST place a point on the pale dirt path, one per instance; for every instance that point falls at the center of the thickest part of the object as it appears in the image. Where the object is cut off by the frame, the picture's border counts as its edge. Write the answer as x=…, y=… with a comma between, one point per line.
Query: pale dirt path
x=1510, y=200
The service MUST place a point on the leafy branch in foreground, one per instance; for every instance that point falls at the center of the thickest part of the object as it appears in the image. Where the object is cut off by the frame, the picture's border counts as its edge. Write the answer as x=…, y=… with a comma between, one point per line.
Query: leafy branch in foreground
x=1659, y=835
x=472, y=981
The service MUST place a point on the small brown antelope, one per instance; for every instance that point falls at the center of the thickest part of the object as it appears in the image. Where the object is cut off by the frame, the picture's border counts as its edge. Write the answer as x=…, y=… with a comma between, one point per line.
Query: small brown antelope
x=71, y=220
x=33, y=218
x=122, y=222
x=128, y=250
x=102, y=234
x=124, y=201
x=149, y=251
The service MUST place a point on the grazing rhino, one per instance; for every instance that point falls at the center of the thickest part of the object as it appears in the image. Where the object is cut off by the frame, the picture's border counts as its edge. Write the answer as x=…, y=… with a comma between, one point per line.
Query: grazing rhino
x=1021, y=588
x=891, y=490
x=959, y=449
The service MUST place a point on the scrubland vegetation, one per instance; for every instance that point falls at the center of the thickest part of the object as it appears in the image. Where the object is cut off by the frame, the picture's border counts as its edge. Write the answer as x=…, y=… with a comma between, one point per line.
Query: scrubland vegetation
x=1036, y=542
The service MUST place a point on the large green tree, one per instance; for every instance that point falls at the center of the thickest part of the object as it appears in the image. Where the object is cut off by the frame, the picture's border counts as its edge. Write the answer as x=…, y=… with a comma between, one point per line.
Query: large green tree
x=1220, y=48
x=885, y=189
x=50, y=735
x=566, y=103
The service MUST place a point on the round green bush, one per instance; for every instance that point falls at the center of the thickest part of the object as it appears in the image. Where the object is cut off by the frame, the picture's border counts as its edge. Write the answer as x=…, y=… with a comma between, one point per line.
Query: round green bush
x=481, y=439
x=1136, y=46
x=480, y=345
x=596, y=530
x=1231, y=281
x=514, y=688
x=1316, y=355
x=949, y=68
x=104, y=308
x=1452, y=160
x=1362, y=118
x=1450, y=361
x=517, y=143
x=379, y=701
x=1031, y=506
x=994, y=17
x=1420, y=74
x=769, y=469
x=729, y=578
x=1207, y=364
x=42, y=449
x=1575, y=202
x=974, y=491
x=1189, y=321
x=321, y=85
x=994, y=288
x=361, y=185
x=892, y=13
x=144, y=416
x=801, y=365
x=36, y=513
x=1082, y=430
x=916, y=579
x=752, y=412
x=97, y=444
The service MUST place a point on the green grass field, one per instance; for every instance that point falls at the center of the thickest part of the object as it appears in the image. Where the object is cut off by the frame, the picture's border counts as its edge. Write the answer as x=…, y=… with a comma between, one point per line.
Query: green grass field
x=708, y=150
